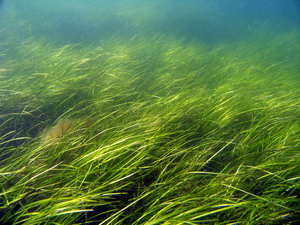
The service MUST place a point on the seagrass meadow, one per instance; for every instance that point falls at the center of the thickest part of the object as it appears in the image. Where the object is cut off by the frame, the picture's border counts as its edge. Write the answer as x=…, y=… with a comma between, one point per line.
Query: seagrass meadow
x=150, y=130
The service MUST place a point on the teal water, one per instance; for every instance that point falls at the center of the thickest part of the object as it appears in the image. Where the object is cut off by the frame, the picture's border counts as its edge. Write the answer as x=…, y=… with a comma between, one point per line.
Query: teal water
x=214, y=22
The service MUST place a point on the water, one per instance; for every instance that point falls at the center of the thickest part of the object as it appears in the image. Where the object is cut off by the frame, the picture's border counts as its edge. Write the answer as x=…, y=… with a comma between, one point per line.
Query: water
x=212, y=22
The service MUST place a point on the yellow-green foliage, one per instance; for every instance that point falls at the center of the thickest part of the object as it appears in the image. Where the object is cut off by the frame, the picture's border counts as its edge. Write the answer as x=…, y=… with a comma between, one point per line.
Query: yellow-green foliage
x=170, y=132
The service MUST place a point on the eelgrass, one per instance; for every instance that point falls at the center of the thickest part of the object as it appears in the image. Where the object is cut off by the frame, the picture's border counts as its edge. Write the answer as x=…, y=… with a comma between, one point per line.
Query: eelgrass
x=182, y=133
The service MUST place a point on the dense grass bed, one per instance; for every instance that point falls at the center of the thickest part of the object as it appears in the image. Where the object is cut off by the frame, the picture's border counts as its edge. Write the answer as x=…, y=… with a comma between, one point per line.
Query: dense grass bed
x=150, y=131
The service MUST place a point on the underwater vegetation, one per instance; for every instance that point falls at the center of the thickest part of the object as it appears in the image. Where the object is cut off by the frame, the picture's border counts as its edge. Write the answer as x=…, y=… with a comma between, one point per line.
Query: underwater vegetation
x=64, y=127
x=150, y=131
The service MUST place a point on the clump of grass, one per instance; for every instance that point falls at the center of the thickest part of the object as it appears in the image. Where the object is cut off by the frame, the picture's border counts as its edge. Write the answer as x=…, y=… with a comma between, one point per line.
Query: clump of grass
x=64, y=127
x=177, y=133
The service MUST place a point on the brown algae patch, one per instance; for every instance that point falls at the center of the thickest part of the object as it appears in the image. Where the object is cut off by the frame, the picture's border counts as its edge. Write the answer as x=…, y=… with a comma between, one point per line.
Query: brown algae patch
x=63, y=127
